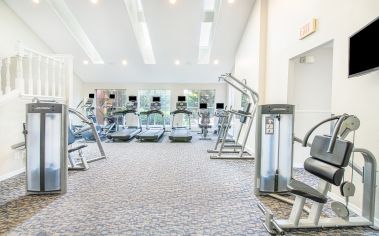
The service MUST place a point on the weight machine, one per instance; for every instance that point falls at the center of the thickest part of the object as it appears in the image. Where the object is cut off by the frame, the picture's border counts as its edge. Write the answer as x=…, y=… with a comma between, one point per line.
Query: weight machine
x=330, y=155
x=246, y=117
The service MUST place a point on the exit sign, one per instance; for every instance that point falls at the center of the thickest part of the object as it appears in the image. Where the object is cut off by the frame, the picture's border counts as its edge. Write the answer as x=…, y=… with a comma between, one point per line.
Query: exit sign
x=308, y=29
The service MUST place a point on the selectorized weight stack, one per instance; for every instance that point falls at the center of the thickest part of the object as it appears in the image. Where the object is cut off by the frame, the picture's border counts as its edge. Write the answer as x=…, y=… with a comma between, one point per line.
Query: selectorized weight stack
x=46, y=147
x=274, y=147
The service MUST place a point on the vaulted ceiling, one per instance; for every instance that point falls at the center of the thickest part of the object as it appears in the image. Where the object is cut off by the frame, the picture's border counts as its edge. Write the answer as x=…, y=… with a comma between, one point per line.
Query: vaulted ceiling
x=102, y=35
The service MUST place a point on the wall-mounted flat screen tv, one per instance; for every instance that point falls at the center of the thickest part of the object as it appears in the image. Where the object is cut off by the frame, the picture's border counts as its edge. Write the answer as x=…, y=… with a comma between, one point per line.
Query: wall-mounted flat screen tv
x=112, y=96
x=132, y=98
x=156, y=99
x=181, y=98
x=364, y=50
x=91, y=95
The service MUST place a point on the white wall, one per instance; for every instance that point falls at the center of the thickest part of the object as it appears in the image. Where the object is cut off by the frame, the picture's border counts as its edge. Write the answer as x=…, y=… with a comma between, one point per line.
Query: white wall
x=13, y=113
x=310, y=90
x=336, y=21
x=250, y=61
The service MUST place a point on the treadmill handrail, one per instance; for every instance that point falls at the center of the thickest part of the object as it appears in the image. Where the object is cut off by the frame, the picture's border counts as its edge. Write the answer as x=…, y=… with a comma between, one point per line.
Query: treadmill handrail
x=181, y=112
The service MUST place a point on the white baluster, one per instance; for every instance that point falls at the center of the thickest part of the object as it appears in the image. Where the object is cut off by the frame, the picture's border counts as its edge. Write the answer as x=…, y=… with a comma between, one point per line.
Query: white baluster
x=47, y=77
x=1, y=80
x=7, y=75
x=53, y=78
x=30, y=72
x=20, y=82
x=38, y=74
x=60, y=79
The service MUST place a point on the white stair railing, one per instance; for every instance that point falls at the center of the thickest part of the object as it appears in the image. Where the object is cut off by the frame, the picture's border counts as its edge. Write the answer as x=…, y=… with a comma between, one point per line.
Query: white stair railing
x=33, y=73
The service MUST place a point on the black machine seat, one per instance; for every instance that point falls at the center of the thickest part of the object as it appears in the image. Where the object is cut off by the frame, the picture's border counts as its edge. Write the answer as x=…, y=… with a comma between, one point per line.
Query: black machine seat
x=304, y=190
x=76, y=148
x=327, y=166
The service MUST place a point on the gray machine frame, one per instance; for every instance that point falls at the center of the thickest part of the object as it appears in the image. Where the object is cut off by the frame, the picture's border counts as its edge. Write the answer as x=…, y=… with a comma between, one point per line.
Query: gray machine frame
x=91, y=126
x=229, y=151
x=43, y=108
x=268, y=154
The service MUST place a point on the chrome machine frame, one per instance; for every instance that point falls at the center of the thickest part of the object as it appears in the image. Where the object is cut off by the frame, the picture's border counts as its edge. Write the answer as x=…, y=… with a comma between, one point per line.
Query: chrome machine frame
x=91, y=126
x=314, y=220
x=253, y=99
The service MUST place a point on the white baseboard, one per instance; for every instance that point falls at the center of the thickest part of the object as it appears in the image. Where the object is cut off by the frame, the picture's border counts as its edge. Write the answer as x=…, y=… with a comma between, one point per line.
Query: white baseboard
x=11, y=174
x=352, y=207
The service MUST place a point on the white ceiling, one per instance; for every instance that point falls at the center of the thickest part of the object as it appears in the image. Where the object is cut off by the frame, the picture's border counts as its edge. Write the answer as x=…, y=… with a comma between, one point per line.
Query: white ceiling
x=174, y=31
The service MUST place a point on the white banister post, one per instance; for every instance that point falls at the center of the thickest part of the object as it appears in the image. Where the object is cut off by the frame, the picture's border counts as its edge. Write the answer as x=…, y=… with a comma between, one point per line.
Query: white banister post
x=8, y=75
x=47, y=77
x=19, y=81
x=53, y=70
x=38, y=74
x=30, y=72
x=60, y=79
x=69, y=81
x=1, y=80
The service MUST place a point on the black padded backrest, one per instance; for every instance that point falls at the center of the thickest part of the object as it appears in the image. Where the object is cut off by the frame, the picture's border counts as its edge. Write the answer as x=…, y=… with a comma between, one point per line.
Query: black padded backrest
x=341, y=153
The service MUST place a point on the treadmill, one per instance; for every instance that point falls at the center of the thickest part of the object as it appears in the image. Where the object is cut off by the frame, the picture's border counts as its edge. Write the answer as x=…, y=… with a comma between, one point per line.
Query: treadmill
x=181, y=133
x=152, y=134
x=128, y=132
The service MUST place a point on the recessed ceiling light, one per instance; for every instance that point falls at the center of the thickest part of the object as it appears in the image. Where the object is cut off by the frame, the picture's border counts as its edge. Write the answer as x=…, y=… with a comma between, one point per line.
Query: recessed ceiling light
x=216, y=62
x=124, y=62
x=85, y=62
x=230, y=1
x=94, y=1
x=177, y=62
x=172, y=1
x=36, y=1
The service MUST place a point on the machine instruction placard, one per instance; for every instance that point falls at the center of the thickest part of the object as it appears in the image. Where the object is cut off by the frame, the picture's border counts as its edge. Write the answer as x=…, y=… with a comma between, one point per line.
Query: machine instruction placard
x=269, y=125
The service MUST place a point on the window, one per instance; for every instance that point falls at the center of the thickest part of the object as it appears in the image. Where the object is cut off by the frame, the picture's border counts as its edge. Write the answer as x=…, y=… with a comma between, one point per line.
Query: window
x=194, y=98
x=144, y=101
x=104, y=103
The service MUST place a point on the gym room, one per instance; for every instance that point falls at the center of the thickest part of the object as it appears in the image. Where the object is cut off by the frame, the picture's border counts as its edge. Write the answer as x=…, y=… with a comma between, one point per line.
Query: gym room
x=189, y=117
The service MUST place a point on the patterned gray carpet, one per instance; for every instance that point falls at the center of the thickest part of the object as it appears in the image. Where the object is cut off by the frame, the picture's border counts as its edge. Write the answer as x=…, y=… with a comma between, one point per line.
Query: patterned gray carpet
x=149, y=189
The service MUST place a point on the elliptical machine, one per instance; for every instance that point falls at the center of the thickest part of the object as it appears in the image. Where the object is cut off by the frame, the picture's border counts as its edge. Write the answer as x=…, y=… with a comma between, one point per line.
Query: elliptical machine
x=204, y=121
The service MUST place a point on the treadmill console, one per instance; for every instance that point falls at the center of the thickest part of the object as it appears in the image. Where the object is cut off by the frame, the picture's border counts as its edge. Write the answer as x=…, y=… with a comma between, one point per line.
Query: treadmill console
x=156, y=104
x=181, y=104
x=132, y=105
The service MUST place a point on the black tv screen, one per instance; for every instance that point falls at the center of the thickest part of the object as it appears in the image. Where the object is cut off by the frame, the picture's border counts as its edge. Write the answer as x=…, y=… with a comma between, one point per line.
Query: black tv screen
x=156, y=99
x=91, y=95
x=132, y=98
x=181, y=98
x=203, y=106
x=364, y=50
x=112, y=96
x=219, y=105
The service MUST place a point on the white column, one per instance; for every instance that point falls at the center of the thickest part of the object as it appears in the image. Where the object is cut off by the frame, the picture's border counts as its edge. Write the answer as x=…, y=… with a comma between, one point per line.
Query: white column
x=46, y=77
x=38, y=75
x=30, y=74
x=60, y=79
x=20, y=81
x=53, y=72
x=1, y=80
x=8, y=75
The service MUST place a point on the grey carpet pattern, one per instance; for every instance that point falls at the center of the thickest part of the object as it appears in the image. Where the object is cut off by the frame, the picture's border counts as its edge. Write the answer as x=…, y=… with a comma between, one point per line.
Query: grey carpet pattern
x=150, y=189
